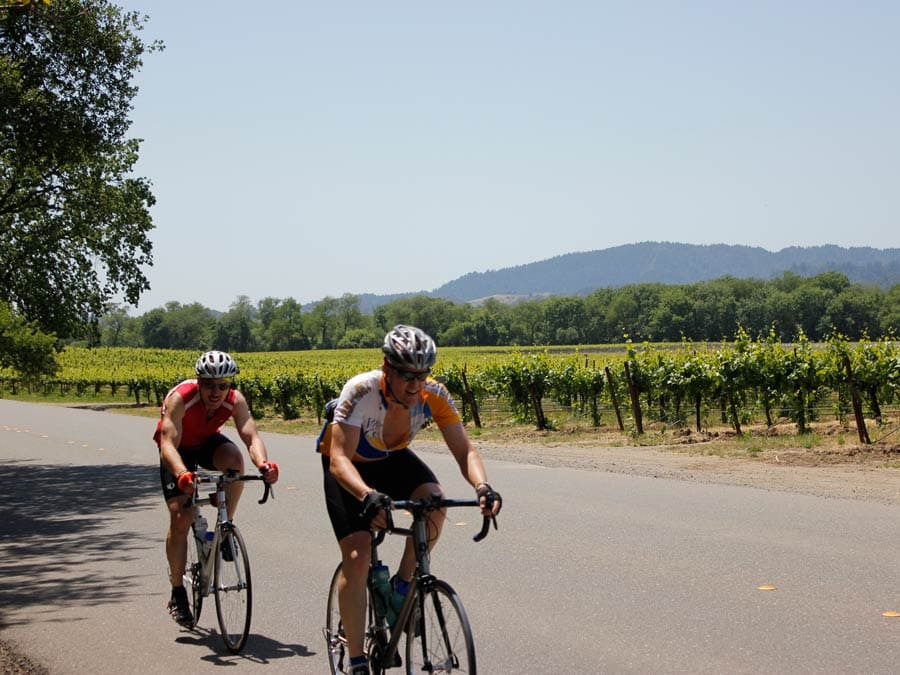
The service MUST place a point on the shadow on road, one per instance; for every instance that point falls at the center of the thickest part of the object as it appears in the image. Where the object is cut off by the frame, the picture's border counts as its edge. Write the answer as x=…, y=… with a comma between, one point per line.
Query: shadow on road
x=259, y=648
x=54, y=533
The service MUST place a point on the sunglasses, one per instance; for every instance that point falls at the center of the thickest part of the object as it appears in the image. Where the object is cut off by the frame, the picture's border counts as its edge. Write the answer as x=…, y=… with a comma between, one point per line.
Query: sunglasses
x=410, y=375
x=212, y=386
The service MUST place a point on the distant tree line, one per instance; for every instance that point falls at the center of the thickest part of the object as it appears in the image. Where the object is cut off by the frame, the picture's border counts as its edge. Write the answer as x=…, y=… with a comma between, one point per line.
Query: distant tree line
x=703, y=311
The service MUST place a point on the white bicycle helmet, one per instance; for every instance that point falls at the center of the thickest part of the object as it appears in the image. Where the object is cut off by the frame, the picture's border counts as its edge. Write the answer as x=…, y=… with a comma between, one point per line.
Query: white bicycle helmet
x=409, y=348
x=216, y=364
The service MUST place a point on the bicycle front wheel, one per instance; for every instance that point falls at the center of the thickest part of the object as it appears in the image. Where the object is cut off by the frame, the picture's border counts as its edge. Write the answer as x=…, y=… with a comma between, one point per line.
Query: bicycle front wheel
x=191, y=578
x=439, y=637
x=338, y=658
x=233, y=589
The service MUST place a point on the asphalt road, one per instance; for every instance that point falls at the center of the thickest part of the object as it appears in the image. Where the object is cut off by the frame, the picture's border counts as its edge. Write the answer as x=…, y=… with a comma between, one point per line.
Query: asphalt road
x=589, y=571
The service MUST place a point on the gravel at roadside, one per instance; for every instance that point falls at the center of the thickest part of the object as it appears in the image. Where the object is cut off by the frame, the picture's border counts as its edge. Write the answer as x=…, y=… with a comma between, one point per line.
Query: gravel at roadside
x=870, y=473
x=14, y=663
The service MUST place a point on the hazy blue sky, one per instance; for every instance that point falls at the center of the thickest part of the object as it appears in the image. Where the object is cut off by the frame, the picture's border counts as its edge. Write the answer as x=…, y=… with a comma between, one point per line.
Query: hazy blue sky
x=304, y=149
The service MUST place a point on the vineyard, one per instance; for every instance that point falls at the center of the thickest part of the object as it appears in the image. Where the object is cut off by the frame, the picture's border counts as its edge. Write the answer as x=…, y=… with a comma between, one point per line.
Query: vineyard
x=627, y=386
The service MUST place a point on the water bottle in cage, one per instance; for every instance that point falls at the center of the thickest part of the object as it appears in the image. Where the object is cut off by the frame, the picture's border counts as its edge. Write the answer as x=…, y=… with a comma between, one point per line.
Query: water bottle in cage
x=204, y=537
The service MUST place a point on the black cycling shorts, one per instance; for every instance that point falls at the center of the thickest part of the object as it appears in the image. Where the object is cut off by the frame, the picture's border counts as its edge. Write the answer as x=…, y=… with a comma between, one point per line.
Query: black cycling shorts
x=192, y=458
x=397, y=476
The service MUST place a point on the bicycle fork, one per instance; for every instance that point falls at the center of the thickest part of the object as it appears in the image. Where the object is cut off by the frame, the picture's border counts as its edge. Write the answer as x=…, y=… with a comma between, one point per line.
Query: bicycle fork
x=421, y=591
x=224, y=539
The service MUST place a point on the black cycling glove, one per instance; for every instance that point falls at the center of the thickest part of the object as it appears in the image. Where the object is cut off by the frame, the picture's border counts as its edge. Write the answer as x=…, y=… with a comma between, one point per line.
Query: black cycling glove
x=490, y=494
x=372, y=502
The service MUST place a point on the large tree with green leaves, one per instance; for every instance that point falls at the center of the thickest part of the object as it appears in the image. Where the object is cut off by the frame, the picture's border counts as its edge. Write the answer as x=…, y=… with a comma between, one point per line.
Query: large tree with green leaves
x=74, y=220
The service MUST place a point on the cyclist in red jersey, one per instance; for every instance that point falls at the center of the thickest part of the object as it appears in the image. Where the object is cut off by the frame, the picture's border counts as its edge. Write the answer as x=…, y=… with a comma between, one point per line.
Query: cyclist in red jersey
x=188, y=435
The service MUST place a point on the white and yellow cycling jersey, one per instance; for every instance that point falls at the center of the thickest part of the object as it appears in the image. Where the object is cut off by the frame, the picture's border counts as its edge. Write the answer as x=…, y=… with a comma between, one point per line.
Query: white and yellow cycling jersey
x=363, y=403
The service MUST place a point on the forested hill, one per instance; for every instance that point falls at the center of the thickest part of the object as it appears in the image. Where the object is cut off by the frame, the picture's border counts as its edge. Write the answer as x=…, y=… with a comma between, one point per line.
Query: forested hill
x=669, y=263
x=659, y=262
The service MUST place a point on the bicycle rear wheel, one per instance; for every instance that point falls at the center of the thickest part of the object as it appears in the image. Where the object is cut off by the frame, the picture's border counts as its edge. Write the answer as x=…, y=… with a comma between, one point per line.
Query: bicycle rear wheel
x=191, y=578
x=338, y=658
x=233, y=589
x=439, y=637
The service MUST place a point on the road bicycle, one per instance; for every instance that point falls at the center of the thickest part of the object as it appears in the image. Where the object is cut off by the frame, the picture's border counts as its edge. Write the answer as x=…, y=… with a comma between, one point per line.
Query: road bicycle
x=432, y=618
x=218, y=563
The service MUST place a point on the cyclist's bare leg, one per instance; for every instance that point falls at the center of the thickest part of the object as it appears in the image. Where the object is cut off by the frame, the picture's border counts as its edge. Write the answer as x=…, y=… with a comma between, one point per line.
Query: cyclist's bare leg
x=355, y=554
x=435, y=525
x=180, y=520
x=227, y=456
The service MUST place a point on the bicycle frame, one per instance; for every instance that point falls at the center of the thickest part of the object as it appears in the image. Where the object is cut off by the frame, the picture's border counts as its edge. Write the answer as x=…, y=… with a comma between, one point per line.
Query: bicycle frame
x=223, y=524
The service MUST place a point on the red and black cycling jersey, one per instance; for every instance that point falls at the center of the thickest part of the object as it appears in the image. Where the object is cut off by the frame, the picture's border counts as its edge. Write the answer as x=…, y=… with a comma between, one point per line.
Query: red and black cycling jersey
x=195, y=427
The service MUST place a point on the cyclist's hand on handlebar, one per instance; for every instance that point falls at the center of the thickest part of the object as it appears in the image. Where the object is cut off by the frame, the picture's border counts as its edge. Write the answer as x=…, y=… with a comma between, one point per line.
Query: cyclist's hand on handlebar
x=269, y=472
x=186, y=482
x=372, y=505
x=490, y=499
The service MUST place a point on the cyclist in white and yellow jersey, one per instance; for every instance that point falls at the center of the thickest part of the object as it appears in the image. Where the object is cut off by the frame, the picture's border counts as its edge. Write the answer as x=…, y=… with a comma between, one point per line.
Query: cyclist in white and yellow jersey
x=366, y=455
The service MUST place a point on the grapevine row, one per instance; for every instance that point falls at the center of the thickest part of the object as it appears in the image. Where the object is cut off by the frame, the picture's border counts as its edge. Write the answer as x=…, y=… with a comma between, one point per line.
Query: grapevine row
x=677, y=384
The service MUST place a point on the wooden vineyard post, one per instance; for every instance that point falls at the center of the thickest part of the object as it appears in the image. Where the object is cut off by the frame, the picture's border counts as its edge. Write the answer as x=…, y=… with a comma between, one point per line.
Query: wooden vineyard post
x=470, y=398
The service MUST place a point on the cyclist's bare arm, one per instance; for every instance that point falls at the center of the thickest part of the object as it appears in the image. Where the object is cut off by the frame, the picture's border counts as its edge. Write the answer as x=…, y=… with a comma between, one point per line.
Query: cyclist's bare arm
x=468, y=458
x=344, y=438
x=170, y=433
x=247, y=430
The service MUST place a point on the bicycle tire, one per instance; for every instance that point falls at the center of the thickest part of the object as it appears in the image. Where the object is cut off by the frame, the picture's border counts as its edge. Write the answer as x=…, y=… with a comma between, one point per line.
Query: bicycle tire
x=233, y=590
x=191, y=578
x=439, y=637
x=336, y=643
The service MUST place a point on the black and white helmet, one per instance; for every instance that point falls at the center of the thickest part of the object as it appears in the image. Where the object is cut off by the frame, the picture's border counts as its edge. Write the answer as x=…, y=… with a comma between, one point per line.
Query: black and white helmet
x=409, y=348
x=216, y=364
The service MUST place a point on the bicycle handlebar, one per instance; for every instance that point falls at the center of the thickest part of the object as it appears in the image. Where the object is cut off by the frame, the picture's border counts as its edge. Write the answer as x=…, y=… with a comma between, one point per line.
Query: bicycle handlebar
x=433, y=503
x=230, y=476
